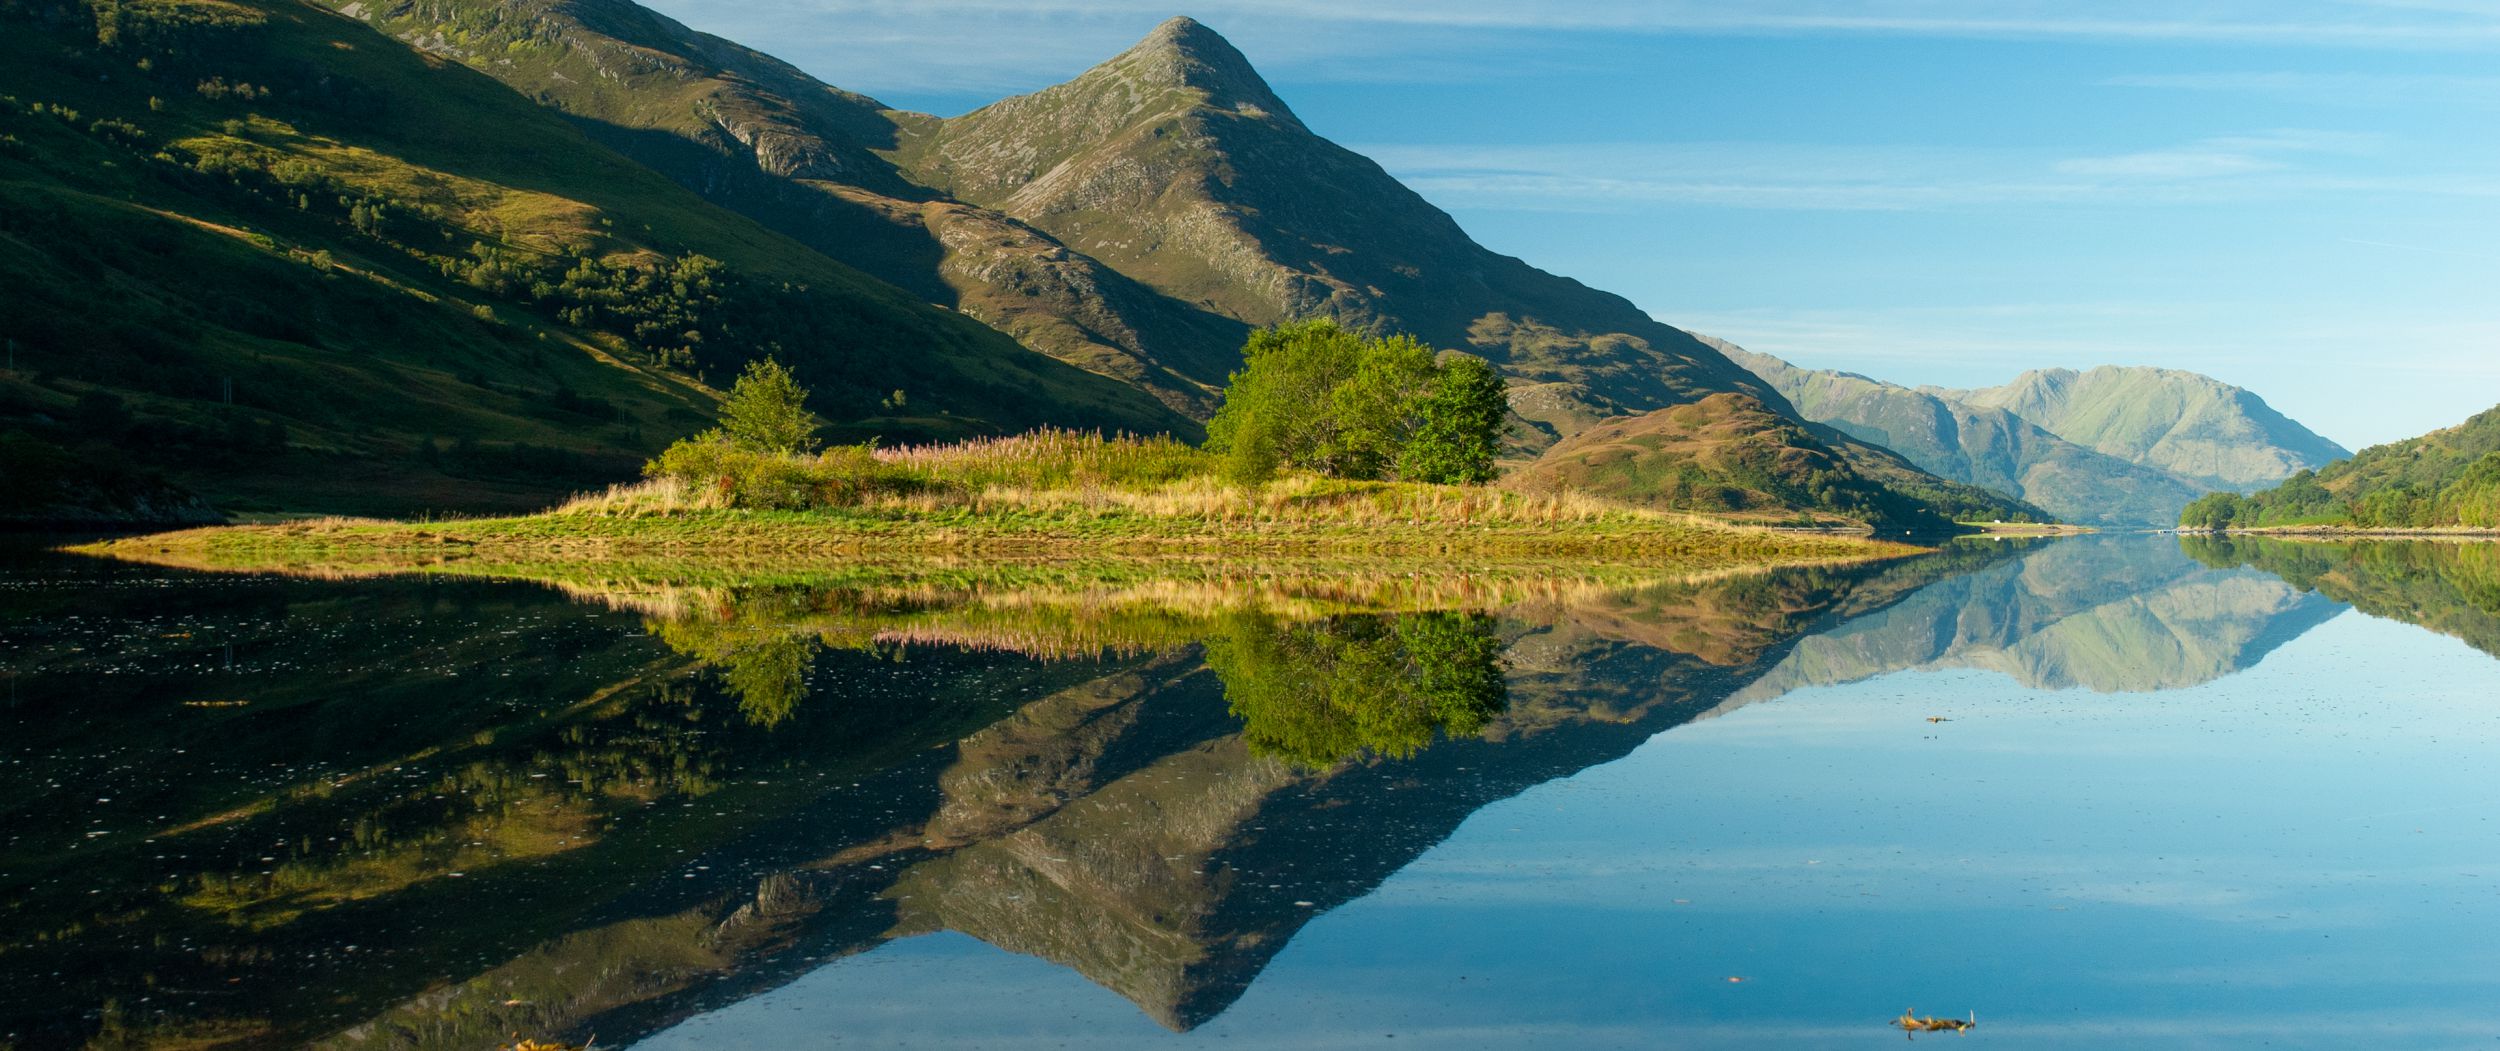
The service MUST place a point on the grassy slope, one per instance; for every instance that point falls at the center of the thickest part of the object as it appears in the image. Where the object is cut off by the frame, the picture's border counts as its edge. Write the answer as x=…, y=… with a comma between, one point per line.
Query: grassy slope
x=759, y=136
x=1980, y=445
x=141, y=279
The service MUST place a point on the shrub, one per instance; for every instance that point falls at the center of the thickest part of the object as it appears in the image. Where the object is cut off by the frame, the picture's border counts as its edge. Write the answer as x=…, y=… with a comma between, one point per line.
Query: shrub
x=767, y=411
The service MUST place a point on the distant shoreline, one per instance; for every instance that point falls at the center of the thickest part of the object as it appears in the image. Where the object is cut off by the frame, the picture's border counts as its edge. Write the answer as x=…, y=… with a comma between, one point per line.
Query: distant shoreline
x=2029, y=528
x=2353, y=532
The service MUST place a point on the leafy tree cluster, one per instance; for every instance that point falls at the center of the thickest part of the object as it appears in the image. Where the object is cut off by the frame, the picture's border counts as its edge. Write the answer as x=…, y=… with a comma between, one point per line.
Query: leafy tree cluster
x=2447, y=479
x=1314, y=396
x=1320, y=692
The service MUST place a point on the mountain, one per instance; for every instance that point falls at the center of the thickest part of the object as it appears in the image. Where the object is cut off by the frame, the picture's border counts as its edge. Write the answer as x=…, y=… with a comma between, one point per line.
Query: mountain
x=1134, y=222
x=2196, y=427
x=257, y=252
x=1980, y=445
x=1175, y=163
x=2445, y=479
x=376, y=281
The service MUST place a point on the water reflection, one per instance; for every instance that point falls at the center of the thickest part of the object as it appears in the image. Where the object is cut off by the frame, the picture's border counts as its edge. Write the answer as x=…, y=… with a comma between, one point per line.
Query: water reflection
x=2449, y=586
x=434, y=813
x=2113, y=614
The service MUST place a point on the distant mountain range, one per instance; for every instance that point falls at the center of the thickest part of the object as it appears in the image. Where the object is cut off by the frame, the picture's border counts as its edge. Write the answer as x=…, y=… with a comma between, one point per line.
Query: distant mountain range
x=506, y=249
x=2111, y=446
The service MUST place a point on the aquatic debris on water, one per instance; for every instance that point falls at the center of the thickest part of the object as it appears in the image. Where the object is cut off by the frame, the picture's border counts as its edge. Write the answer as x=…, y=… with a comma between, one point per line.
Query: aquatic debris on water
x=1910, y=1022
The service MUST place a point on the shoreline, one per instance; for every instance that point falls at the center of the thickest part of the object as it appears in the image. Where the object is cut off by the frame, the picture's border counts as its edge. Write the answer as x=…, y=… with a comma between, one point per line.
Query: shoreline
x=2352, y=533
x=2029, y=528
x=1610, y=539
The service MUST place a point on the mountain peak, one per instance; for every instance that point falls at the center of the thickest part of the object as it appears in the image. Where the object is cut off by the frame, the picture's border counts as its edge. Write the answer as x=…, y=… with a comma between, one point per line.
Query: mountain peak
x=1182, y=53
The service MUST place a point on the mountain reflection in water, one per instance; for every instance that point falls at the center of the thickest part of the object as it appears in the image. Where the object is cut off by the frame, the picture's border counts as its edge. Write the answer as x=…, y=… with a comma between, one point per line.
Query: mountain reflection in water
x=264, y=811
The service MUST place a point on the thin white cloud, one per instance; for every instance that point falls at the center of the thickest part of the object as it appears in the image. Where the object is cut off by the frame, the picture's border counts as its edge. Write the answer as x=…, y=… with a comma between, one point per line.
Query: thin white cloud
x=2221, y=156
x=1008, y=45
x=2271, y=165
x=2330, y=89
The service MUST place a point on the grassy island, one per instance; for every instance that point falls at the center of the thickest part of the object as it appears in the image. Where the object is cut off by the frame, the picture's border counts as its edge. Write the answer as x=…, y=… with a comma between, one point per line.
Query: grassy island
x=1045, y=495
x=1328, y=445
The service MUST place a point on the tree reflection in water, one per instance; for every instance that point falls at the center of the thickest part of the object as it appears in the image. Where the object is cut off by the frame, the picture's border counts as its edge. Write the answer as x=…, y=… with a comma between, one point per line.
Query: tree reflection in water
x=1321, y=692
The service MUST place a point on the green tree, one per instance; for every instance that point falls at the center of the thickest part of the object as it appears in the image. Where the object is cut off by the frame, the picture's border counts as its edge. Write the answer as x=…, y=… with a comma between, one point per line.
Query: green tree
x=1374, y=410
x=1278, y=407
x=2217, y=511
x=767, y=411
x=1458, y=425
x=1313, y=396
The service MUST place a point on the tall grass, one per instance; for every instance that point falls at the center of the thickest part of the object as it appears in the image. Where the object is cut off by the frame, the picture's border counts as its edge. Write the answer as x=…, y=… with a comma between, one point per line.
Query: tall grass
x=1060, y=473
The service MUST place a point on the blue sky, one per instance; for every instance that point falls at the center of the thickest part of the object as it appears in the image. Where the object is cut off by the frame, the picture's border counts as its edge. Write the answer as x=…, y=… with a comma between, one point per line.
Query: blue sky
x=2298, y=196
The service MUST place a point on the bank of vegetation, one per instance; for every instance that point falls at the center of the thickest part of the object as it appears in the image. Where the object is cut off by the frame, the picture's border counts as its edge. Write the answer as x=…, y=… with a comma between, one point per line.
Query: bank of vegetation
x=2444, y=481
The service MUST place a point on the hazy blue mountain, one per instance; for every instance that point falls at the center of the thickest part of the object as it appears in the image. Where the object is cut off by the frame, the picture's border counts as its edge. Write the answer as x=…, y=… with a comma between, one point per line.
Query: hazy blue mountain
x=2194, y=426
x=1982, y=445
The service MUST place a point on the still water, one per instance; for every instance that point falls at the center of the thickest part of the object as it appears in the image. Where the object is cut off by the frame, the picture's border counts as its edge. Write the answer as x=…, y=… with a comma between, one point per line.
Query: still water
x=2101, y=791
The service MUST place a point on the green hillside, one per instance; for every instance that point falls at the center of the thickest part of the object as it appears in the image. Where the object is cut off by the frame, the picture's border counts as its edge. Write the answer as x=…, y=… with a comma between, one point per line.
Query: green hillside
x=754, y=134
x=260, y=252
x=2196, y=427
x=2446, y=479
x=1979, y=445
